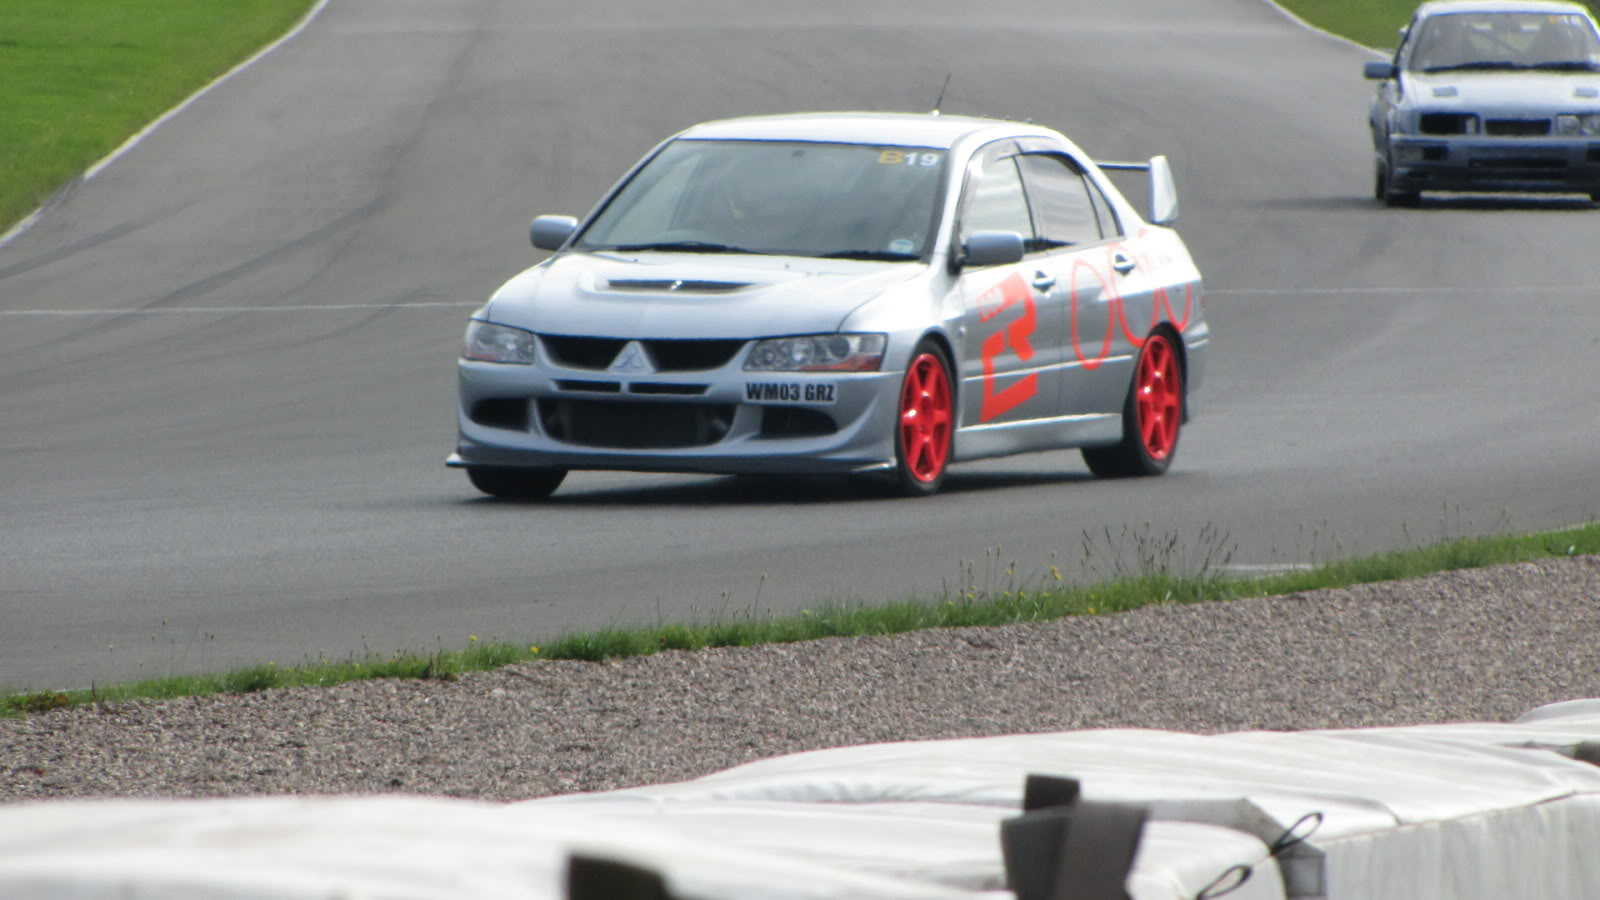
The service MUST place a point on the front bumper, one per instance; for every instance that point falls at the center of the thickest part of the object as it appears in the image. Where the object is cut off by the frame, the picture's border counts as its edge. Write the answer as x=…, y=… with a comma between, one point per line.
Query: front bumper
x=724, y=422
x=1483, y=163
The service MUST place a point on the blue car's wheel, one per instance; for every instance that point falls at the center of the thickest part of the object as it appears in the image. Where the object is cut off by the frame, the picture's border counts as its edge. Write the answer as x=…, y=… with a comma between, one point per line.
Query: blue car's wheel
x=1387, y=195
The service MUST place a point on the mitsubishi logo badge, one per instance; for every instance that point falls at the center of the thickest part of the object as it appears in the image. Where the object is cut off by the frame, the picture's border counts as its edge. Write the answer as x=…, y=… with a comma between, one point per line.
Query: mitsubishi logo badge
x=631, y=361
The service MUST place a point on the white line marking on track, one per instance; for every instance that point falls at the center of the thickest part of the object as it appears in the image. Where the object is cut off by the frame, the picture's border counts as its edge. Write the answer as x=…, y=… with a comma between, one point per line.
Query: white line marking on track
x=181, y=310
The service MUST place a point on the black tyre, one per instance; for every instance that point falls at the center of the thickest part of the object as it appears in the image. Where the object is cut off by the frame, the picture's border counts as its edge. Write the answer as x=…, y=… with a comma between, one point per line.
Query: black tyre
x=509, y=483
x=1385, y=193
x=924, y=430
x=1152, y=416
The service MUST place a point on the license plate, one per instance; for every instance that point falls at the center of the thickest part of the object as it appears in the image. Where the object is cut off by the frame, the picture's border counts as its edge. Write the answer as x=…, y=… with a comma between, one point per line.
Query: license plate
x=806, y=392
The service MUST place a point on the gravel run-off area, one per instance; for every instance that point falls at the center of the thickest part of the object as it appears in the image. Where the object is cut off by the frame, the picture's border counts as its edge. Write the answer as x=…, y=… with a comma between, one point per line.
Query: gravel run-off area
x=1472, y=645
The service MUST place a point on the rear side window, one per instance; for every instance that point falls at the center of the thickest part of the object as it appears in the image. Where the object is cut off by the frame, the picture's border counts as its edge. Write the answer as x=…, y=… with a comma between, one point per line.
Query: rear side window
x=1062, y=201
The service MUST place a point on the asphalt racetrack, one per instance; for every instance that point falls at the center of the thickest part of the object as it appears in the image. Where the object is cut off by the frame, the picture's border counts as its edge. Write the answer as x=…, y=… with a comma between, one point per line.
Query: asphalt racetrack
x=226, y=361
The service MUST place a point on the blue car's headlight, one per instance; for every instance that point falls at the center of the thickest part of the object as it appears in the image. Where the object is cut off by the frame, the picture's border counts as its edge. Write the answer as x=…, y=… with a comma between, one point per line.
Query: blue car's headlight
x=1586, y=125
x=818, y=353
x=488, y=342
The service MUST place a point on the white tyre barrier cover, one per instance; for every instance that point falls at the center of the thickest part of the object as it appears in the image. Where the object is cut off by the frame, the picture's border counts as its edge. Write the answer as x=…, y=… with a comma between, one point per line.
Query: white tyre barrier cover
x=1475, y=811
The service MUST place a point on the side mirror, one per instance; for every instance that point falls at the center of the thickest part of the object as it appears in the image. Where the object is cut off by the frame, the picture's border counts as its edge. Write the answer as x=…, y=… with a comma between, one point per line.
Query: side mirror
x=1163, y=192
x=1378, y=70
x=991, y=248
x=551, y=232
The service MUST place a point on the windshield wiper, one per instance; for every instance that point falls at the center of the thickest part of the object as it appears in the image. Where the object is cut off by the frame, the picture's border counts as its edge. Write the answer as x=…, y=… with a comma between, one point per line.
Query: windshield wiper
x=679, y=247
x=885, y=255
x=1567, y=66
x=1481, y=64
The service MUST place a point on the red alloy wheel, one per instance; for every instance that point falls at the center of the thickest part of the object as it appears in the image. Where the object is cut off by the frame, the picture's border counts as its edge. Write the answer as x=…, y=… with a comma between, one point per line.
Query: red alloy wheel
x=1159, y=400
x=925, y=416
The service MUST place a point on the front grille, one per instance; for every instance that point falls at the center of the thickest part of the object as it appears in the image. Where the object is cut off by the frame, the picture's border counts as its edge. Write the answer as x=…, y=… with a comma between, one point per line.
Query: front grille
x=1447, y=123
x=1516, y=127
x=661, y=387
x=598, y=387
x=634, y=426
x=691, y=355
x=1522, y=163
x=582, y=352
x=666, y=354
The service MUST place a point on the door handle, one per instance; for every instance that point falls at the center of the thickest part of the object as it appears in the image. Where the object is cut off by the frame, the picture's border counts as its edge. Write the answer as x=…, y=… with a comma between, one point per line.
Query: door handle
x=1123, y=263
x=1043, y=281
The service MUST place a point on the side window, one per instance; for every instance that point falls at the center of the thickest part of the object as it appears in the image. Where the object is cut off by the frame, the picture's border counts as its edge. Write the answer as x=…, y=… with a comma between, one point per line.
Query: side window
x=1110, y=225
x=996, y=201
x=1061, y=195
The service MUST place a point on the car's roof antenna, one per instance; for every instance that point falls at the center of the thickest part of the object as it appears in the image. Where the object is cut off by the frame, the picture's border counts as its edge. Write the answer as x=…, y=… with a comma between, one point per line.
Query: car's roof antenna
x=940, y=102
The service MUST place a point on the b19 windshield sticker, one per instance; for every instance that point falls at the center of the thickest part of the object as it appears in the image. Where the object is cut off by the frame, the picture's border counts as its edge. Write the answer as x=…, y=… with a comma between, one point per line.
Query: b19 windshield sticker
x=908, y=156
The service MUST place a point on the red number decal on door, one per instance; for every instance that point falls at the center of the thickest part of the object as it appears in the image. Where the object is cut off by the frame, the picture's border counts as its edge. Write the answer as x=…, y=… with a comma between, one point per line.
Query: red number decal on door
x=991, y=303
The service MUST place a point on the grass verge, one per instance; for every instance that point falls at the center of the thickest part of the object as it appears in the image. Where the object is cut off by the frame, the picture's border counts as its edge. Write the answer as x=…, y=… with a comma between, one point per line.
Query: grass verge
x=1372, y=23
x=79, y=77
x=1144, y=569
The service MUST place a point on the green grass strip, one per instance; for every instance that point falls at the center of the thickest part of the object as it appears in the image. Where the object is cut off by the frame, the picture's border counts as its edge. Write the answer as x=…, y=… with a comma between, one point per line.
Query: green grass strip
x=1372, y=23
x=1148, y=569
x=79, y=77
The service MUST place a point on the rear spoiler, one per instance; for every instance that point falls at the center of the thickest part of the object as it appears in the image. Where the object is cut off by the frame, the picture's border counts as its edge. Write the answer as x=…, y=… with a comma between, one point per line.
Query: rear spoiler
x=1163, y=191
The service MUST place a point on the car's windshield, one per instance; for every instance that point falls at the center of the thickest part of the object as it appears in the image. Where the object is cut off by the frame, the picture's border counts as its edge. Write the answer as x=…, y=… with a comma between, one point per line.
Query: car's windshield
x=851, y=201
x=1505, y=40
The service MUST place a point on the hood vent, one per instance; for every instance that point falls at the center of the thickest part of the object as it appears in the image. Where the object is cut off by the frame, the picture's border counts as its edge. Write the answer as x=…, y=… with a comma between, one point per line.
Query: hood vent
x=676, y=285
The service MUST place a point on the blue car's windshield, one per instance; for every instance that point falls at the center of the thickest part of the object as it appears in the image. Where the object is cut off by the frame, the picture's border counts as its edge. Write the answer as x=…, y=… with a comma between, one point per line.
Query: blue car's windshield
x=847, y=201
x=1505, y=41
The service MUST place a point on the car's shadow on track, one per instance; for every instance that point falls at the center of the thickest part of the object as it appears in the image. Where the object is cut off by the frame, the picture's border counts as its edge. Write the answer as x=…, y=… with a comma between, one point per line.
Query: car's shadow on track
x=1465, y=202
x=771, y=490
x=1514, y=203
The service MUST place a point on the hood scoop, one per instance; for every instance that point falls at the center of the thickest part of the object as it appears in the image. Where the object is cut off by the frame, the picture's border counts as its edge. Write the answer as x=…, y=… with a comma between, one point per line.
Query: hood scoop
x=675, y=285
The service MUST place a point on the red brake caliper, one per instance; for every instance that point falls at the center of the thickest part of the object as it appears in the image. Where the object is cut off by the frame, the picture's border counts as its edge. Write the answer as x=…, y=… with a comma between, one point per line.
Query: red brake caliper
x=1158, y=397
x=925, y=418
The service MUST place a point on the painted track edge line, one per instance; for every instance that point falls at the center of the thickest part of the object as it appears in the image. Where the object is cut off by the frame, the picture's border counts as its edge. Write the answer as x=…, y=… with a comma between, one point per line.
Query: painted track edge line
x=127, y=145
x=1322, y=31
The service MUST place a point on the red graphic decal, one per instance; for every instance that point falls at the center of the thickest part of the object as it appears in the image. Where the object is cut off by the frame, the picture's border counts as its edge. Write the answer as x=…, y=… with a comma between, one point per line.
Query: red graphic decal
x=990, y=304
x=1115, y=301
x=1188, y=306
x=1121, y=312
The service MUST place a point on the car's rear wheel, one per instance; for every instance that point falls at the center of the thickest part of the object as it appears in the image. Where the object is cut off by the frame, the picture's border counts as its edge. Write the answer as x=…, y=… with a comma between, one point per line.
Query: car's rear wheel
x=925, y=427
x=514, y=483
x=1152, y=416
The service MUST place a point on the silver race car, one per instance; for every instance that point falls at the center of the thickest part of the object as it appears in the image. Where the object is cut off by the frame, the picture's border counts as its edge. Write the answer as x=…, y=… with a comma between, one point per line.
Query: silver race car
x=1489, y=95
x=846, y=293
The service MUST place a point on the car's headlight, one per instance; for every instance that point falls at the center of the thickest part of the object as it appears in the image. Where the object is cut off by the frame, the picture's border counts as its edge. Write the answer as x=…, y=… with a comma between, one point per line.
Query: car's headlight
x=488, y=342
x=818, y=353
x=1587, y=125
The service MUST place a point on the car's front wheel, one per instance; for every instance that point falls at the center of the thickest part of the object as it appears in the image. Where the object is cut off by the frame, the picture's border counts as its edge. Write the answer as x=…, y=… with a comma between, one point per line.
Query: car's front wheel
x=514, y=483
x=925, y=427
x=1152, y=416
x=1383, y=188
